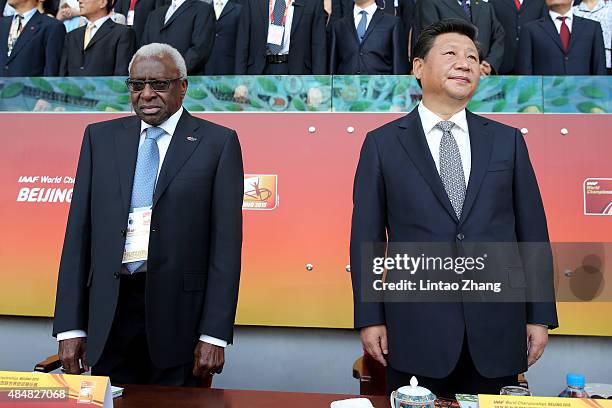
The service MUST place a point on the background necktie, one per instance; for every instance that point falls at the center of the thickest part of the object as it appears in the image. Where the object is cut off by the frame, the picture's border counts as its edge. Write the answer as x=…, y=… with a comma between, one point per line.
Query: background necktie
x=14, y=32
x=279, y=13
x=451, y=169
x=87, y=37
x=145, y=177
x=466, y=8
x=564, y=33
x=361, y=27
x=218, y=8
x=517, y=3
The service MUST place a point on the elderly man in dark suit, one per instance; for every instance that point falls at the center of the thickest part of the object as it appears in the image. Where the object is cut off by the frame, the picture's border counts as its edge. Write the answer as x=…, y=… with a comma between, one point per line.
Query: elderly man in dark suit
x=30, y=42
x=188, y=26
x=480, y=13
x=561, y=44
x=513, y=15
x=367, y=42
x=148, y=280
x=444, y=175
x=280, y=37
x=101, y=47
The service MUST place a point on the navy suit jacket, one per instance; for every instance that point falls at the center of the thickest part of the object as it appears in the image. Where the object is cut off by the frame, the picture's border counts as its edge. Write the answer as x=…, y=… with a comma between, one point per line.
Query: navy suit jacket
x=384, y=49
x=307, y=49
x=193, y=267
x=38, y=49
x=513, y=21
x=399, y=197
x=190, y=29
x=223, y=56
x=541, y=52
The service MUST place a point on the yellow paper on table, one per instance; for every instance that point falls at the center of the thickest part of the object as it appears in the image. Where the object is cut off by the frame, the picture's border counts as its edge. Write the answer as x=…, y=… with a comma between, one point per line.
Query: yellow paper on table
x=511, y=401
x=54, y=390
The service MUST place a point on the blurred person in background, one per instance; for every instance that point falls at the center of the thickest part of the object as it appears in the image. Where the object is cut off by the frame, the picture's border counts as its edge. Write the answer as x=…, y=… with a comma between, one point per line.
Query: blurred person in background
x=600, y=11
x=30, y=42
x=136, y=13
x=223, y=55
x=101, y=47
x=561, y=44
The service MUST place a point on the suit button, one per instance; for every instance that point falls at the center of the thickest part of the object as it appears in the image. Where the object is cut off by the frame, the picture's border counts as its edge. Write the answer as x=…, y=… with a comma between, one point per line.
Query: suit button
x=460, y=237
x=153, y=229
x=566, y=58
x=517, y=38
x=116, y=275
x=216, y=35
x=358, y=72
x=123, y=233
x=361, y=53
x=81, y=67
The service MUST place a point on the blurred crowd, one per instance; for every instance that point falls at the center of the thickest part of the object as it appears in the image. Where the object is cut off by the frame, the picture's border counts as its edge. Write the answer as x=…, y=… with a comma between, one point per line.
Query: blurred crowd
x=299, y=37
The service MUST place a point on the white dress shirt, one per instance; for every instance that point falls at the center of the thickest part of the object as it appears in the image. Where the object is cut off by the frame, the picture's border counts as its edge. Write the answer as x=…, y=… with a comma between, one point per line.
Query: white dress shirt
x=460, y=132
x=173, y=7
x=163, y=142
x=568, y=20
x=96, y=25
x=8, y=10
x=219, y=5
x=370, y=10
x=287, y=31
x=26, y=16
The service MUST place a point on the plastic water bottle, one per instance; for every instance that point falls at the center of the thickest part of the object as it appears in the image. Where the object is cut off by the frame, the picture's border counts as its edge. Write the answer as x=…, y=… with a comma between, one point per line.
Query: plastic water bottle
x=575, y=387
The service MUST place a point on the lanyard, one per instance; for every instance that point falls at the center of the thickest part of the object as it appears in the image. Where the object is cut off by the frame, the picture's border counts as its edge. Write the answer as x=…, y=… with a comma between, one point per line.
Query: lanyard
x=287, y=2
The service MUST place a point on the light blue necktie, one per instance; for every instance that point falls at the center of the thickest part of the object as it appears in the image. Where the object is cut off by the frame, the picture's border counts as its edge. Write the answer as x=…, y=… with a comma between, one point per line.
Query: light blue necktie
x=361, y=27
x=145, y=177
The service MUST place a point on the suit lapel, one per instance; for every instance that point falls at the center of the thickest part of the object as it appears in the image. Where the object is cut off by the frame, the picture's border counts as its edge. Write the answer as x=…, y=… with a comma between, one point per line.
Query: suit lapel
x=181, y=147
x=298, y=8
x=5, y=27
x=80, y=38
x=481, y=142
x=412, y=138
x=350, y=23
x=454, y=5
x=576, y=33
x=104, y=29
x=229, y=6
x=126, y=152
x=378, y=15
x=549, y=27
x=27, y=34
x=177, y=12
x=263, y=9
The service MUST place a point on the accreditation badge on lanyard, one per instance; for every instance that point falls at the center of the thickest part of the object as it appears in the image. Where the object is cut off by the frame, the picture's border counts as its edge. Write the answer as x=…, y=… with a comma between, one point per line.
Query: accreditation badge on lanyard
x=275, y=31
x=137, y=235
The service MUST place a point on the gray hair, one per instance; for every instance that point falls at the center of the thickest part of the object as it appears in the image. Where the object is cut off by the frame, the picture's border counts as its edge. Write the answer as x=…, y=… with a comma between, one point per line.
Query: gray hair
x=159, y=50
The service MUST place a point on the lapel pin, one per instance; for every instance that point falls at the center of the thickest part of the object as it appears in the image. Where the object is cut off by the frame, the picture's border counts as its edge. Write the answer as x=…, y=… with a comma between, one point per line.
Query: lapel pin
x=192, y=139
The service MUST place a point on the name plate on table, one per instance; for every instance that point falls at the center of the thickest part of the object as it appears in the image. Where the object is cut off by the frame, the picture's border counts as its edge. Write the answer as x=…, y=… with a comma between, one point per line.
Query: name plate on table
x=512, y=401
x=54, y=390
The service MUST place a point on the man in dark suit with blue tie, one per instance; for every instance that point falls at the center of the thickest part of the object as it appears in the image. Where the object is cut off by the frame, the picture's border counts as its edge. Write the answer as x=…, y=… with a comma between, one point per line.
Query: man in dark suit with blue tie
x=148, y=280
x=368, y=42
x=444, y=175
x=561, y=44
x=30, y=42
x=223, y=56
x=513, y=15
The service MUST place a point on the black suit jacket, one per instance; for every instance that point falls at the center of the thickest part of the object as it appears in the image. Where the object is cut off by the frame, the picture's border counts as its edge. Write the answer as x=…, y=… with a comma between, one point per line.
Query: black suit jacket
x=513, y=21
x=193, y=266
x=142, y=9
x=307, y=48
x=399, y=197
x=384, y=49
x=108, y=53
x=190, y=29
x=405, y=10
x=490, y=31
x=541, y=52
x=38, y=49
x=223, y=56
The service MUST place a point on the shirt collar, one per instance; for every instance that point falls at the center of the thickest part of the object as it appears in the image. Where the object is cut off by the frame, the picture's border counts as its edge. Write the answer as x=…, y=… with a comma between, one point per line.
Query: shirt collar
x=169, y=125
x=429, y=120
x=371, y=9
x=178, y=3
x=554, y=15
x=583, y=7
x=27, y=15
x=98, y=23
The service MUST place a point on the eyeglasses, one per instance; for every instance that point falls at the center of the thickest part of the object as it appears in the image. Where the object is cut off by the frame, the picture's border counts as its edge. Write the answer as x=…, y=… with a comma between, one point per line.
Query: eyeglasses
x=158, y=85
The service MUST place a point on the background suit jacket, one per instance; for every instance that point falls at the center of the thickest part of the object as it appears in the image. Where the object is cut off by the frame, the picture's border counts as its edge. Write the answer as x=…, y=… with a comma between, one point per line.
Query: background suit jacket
x=223, y=56
x=541, y=52
x=108, y=53
x=38, y=49
x=513, y=21
x=307, y=49
x=190, y=29
x=490, y=31
x=398, y=193
x=193, y=266
x=384, y=49
x=141, y=13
